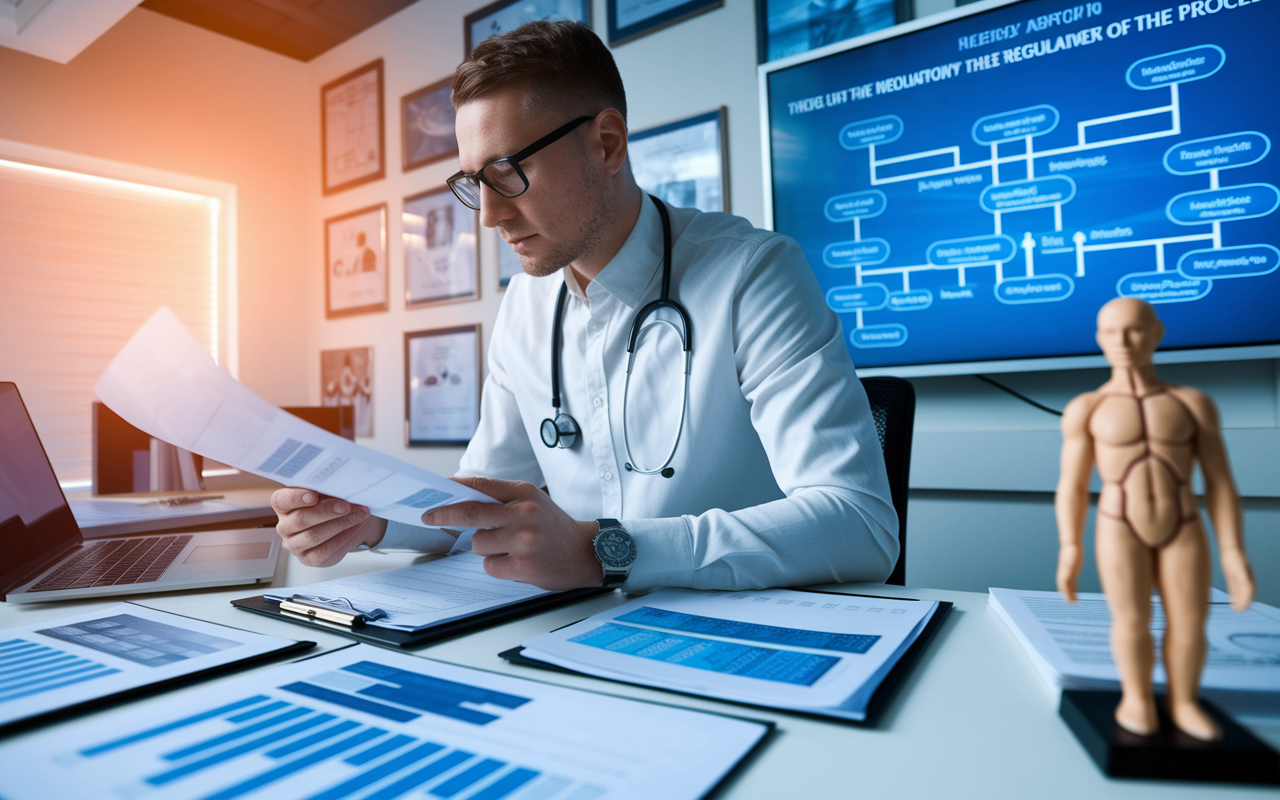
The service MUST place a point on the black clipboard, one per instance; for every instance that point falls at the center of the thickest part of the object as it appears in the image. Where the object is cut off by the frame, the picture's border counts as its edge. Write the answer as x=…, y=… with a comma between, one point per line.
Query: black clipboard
x=879, y=699
x=158, y=687
x=386, y=637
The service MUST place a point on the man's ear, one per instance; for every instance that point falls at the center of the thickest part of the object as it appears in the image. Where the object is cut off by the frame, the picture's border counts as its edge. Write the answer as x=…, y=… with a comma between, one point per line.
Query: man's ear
x=612, y=131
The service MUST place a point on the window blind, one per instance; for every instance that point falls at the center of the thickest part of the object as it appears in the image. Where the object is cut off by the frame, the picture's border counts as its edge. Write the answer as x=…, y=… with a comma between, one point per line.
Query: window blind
x=84, y=260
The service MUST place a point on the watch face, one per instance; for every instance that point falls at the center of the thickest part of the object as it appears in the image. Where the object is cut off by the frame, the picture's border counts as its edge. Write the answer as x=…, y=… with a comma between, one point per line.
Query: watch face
x=615, y=548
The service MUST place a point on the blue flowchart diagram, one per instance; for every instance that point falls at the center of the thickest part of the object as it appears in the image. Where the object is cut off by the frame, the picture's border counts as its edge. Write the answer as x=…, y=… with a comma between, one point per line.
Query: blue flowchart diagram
x=1012, y=186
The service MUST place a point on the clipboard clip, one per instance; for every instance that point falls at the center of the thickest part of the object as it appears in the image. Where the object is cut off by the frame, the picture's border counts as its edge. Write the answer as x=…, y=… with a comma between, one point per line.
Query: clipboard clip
x=339, y=610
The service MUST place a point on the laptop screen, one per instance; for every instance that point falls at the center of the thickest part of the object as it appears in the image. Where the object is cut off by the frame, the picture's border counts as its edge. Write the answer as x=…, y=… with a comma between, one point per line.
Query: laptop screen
x=35, y=520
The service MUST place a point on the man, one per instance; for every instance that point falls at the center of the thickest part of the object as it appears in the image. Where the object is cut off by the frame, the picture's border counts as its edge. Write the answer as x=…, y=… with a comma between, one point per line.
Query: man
x=776, y=476
x=1146, y=436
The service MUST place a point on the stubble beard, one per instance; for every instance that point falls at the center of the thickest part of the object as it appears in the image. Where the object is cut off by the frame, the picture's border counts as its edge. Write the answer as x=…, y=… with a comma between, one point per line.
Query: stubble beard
x=585, y=240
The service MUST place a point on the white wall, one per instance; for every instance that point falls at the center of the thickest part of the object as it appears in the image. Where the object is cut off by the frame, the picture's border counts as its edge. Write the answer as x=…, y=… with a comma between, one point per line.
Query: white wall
x=984, y=463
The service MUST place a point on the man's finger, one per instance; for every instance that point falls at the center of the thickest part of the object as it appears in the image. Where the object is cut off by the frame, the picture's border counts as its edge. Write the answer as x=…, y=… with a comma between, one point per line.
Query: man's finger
x=284, y=501
x=304, y=518
x=467, y=515
x=500, y=490
x=314, y=535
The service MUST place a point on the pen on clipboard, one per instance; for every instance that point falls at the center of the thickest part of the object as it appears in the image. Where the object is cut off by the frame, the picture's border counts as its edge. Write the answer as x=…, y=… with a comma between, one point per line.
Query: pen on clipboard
x=339, y=610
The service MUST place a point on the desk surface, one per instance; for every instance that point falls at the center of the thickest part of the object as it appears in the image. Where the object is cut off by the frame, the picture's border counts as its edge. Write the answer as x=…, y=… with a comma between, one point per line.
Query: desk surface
x=973, y=719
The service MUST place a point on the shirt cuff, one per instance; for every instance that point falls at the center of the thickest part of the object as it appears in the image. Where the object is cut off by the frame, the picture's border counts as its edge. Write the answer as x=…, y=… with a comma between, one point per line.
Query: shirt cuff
x=664, y=554
x=401, y=536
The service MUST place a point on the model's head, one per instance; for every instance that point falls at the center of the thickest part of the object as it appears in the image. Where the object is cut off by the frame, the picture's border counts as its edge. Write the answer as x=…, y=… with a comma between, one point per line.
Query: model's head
x=512, y=91
x=1129, y=332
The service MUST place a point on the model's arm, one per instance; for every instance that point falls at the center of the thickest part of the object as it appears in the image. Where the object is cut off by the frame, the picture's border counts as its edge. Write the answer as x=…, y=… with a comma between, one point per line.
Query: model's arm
x=1071, y=501
x=1221, y=499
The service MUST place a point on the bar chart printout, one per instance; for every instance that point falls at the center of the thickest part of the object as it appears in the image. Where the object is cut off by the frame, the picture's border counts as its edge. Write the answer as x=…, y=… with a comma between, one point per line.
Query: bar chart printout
x=371, y=724
x=78, y=659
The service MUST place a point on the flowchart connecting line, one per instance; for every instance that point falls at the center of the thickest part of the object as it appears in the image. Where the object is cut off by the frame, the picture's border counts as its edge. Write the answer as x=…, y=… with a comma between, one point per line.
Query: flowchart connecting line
x=1190, y=279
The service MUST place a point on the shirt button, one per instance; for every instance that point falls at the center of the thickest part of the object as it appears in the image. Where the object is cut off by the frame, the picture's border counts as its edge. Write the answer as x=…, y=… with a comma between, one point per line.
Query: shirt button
x=608, y=476
x=598, y=402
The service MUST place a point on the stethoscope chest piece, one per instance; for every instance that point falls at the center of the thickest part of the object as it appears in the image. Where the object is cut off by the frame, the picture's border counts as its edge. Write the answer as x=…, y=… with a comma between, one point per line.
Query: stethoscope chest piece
x=560, y=432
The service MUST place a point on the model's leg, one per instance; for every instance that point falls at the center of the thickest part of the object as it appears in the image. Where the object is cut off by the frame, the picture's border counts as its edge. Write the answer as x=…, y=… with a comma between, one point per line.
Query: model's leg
x=1184, y=590
x=1125, y=567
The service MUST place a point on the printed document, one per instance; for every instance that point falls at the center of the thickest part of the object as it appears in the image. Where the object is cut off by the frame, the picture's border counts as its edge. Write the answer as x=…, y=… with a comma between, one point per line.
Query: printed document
x=1070, y=643
x=431, y=593
x=365, y=722
x=65, y=662
x=806, y=651
x=166, y=384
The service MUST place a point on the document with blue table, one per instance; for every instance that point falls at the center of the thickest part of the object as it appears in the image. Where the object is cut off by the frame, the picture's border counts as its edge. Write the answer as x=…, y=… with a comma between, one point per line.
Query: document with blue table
x=113, y=652
x=369, y=723
x=817, y=653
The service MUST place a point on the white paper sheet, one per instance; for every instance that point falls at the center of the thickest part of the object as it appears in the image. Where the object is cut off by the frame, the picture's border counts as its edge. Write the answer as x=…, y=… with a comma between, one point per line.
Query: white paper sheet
x=424, y=594
x=799, y=650
x=1071, y=649
x=64, y=662
x=365, y=720
x=164, y=383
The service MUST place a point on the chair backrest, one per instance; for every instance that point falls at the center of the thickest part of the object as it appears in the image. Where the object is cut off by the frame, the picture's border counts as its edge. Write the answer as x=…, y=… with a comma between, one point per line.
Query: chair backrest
x=893, y=404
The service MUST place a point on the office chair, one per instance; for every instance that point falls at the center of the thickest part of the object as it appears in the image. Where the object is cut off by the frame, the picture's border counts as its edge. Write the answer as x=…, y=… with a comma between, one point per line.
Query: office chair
x=893, y=404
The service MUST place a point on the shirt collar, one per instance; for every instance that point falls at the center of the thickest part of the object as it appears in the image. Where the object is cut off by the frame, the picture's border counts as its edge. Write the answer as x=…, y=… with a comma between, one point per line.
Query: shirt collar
x=633, y=267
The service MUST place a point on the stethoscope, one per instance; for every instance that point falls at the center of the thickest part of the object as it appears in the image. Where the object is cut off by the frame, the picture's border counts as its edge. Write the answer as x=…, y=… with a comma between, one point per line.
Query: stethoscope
x=562, y=430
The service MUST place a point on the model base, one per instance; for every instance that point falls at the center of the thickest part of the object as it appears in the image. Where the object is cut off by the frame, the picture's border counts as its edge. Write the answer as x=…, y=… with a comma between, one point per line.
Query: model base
x=1170, y=754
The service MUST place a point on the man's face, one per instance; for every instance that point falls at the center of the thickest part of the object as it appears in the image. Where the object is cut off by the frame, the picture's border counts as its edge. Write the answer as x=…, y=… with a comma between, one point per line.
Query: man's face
x=560, y=218
x=1128, y=332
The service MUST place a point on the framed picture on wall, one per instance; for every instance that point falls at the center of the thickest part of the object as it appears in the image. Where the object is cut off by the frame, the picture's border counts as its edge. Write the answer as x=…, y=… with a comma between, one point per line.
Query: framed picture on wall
x=441, y=260
x=441, y=386
x=787, y=27
x=631, y=19
x=507, y=15
x=508, y=262
x=426, y=126
x=684, y=163
x=346, y=379
x=351, y=129
x=355, y=262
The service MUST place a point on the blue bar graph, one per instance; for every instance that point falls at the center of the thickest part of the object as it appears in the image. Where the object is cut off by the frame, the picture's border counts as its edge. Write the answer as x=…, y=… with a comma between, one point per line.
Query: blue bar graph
x=297, y=765
x=380, y=749
x=726, y=658
x=435, y=695
x=732, y=629
x=415, y=779
x=468, y=777
x=350, y=701
x=248, y=730
x=506, y=784
x=28, y=668
x=171, y=726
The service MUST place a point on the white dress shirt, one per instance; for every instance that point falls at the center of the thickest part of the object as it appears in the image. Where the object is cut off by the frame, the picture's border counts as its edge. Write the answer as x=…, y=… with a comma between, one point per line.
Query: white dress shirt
x=779, y=477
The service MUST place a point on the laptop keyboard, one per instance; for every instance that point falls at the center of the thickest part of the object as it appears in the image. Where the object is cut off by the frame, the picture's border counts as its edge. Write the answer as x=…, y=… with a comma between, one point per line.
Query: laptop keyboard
x=115, y=562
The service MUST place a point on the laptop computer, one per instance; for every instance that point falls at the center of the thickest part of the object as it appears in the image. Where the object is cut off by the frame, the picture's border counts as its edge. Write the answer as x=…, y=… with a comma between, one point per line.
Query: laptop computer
x=43, y=555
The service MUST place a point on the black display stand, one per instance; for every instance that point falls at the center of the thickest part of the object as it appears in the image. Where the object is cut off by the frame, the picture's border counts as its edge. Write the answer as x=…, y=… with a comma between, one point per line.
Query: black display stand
x=1239, y=757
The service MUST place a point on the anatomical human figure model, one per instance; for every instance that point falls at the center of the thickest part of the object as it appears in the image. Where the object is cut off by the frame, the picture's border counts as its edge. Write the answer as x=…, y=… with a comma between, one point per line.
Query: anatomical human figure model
x=1145, y=436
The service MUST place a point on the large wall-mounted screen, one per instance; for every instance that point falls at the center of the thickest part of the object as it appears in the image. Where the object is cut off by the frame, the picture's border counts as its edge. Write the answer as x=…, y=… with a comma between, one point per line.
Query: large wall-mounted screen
x=973, y=191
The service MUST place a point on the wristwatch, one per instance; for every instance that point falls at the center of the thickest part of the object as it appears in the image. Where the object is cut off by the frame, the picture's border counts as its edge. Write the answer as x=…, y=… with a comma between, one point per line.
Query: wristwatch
x=616, y=550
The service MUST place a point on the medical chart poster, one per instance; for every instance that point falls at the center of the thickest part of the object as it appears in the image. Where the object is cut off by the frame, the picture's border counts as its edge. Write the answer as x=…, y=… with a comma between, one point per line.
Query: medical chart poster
x=440, y=256
x=351, y=129
x=442, y=385
x=977, y=190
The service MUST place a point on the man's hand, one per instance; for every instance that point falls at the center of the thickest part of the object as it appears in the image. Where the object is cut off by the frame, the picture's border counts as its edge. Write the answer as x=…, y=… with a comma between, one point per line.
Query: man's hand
x=320, y=530
x=528, y=538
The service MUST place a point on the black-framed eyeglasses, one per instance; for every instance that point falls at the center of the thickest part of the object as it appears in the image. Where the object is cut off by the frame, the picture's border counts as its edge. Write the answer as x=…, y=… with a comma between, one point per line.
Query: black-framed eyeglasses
x=504, y=176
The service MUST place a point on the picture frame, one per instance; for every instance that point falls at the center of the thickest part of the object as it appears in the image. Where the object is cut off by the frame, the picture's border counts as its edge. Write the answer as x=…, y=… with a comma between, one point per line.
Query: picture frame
x=352, y=131
x=507, y=15
x=441, y=256
x=355, y=260
x=630, y=19
x=346, y=379
x=684, y=163
x=441, y=386
x=789, y=27
x=427, y=126
x=508, y=262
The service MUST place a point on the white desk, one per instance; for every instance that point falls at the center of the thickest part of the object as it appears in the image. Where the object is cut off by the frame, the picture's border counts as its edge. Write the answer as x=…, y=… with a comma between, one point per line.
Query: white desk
x=973, y=719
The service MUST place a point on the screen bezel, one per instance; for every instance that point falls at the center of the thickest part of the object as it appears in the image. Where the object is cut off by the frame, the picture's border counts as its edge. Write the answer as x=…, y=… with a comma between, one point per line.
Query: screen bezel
x=1048, y=363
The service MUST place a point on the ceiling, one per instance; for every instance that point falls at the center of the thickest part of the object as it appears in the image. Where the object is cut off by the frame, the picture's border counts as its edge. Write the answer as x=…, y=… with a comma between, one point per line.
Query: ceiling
x=301, y=29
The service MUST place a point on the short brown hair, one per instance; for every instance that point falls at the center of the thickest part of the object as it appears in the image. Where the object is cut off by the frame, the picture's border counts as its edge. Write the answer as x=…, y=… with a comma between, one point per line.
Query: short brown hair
x=561, y=65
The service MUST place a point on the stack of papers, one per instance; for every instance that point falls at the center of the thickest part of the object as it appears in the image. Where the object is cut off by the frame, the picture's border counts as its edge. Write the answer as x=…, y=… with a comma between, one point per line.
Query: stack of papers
x=1070, y=643
x=813, y=652
x=433, y=593
x=365, y=722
